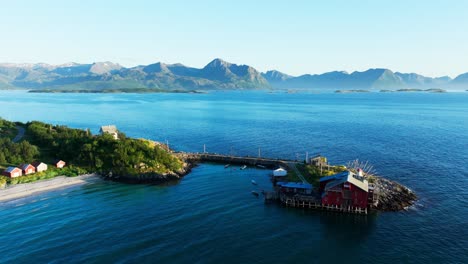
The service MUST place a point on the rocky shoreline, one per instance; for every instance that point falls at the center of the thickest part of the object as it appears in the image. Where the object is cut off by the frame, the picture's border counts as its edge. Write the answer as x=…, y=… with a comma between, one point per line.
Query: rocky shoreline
x=152, y=178
x=393, y=196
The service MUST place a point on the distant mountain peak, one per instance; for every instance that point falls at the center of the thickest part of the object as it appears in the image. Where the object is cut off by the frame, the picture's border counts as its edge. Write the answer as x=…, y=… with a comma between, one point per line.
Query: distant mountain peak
x=68, y=64
x=462, y=78
x=276, y=76
x=217, y=74
x=104, y=67
x=158, y=67
x=217, y=63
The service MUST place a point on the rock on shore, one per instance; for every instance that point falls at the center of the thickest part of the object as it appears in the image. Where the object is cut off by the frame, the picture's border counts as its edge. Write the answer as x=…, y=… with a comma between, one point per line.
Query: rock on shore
x=154, y=178
x=393, y=196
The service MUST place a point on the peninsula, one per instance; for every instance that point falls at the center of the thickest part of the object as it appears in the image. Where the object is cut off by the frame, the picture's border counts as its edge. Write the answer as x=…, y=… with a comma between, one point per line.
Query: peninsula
x=114, y=156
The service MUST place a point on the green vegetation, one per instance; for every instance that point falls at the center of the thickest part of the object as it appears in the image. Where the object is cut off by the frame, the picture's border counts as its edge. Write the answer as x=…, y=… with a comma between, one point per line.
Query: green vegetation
x=7, y=129
x=123, y=157
x=313, y=173
x=15, y=153
x=84, y=153
x=3, y=181
x=51, y=172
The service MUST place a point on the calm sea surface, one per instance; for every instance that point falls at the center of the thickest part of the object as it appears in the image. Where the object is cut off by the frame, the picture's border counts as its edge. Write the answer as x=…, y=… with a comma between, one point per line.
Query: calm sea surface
x=210, y=216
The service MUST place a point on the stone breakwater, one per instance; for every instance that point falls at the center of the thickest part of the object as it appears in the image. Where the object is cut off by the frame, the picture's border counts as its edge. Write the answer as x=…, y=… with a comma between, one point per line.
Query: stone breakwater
x=393, y=196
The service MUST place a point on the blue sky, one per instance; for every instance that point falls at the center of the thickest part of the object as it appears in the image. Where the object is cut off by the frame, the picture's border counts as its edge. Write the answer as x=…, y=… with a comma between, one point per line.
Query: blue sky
x=296, y=37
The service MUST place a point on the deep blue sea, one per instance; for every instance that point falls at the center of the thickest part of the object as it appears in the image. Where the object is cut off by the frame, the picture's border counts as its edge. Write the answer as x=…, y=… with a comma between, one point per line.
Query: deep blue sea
x=210, y=216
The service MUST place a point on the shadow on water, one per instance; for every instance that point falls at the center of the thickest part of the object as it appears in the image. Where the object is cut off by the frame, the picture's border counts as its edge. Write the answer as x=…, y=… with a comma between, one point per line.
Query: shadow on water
x=348, y=232
x=355, y=227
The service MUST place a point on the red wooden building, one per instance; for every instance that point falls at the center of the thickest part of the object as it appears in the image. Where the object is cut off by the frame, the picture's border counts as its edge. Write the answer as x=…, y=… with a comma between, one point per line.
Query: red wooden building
x=344, y=190
x=27, y=169
x=12, y=172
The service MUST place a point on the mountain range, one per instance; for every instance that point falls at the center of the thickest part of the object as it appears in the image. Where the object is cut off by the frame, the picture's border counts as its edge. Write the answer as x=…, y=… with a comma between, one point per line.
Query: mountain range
x=218, y=74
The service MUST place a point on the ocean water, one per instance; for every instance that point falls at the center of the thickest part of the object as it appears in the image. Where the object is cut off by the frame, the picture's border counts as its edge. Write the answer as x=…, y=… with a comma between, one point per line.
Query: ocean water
x=210, y=216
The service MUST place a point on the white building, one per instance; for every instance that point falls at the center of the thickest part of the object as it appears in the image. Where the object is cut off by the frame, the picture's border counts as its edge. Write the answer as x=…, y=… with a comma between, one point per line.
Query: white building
x=280, y=172
x=110, y=129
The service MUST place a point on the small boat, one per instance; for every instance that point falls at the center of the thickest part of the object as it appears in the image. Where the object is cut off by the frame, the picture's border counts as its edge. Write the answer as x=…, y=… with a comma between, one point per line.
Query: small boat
x=227, y=166
x=254, y=182
x=260, y=166
x=243, y=167
x=255, y=193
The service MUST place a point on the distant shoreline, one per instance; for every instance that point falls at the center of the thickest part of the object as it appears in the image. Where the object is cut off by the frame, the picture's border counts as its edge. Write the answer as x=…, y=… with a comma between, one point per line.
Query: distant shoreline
x=289, y=91
x=433, y=90
x=22, y=190
x=126, y=90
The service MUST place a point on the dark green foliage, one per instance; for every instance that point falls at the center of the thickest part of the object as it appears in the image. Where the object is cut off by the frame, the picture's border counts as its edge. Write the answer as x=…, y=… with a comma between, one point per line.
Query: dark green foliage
x=7, y=128
x=102, y=153
x=16, y=153
x=313, y=173
x=3, y=181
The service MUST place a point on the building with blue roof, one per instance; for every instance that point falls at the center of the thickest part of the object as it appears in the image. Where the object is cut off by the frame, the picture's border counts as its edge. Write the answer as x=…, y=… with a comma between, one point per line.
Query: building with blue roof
x=295, y=187
x=12, y=172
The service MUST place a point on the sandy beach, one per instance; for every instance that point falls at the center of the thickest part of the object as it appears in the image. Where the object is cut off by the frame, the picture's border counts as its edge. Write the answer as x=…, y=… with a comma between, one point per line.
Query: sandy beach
x=27, y=189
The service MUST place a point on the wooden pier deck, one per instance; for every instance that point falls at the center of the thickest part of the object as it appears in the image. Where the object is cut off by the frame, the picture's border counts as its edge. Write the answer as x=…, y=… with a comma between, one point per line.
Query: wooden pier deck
x=300, y=201
x=229, y=159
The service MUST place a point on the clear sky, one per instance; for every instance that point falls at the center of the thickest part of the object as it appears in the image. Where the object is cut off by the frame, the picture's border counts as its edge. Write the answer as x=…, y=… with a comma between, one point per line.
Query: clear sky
x=296, y=37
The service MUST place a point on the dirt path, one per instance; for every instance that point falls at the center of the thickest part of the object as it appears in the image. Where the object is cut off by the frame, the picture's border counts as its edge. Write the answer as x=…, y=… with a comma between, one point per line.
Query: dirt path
x=20, y=134
x=298, y=173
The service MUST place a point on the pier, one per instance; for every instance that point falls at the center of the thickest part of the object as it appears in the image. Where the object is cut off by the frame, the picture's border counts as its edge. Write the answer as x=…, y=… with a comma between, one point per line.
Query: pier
x=312, y=201
x=269, y=163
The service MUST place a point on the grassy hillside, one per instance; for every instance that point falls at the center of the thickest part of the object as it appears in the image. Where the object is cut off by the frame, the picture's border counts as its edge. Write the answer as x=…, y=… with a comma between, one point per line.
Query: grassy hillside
x=126, y=157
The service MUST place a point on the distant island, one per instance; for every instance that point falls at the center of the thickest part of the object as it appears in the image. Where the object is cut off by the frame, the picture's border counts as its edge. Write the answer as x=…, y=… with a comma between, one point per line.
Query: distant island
x=431, y=90
x=352, y=91
x=123, y=90
x=216, y=75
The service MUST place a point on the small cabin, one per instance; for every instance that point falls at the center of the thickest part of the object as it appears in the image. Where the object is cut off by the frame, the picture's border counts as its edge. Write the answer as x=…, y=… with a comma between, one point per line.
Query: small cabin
x=60, y=164
x=110, y=129
x=280, y=172
x=12, y=172
x=318, y=161
x=40, y=166
x=27, y=169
